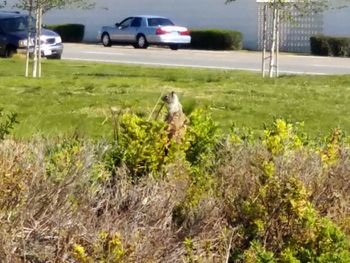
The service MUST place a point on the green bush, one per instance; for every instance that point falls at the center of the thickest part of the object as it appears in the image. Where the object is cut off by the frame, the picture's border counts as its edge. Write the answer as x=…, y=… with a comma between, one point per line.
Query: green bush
x=216, y=39
x=143, y=146
x=140, y=145
x=6, y=123
x=280, y=198
x=69, y=32
x=202, y=135
x=330, y=46
x=274, y=209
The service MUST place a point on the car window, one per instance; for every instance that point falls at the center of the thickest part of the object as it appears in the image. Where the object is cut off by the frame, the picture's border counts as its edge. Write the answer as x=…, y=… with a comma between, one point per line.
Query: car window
x=126, y=23
x=136, y=22
x=14, y=24
x=159, y=22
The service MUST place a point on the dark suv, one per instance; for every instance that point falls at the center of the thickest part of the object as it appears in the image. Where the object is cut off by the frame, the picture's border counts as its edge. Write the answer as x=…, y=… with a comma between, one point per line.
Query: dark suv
x=13, y=37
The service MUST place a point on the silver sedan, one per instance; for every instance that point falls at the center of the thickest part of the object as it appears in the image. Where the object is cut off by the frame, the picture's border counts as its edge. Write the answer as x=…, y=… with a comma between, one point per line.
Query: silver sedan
x=141, y=31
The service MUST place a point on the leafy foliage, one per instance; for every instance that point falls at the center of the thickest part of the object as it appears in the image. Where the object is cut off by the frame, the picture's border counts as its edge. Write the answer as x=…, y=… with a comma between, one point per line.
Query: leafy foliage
x=69, y=32
x=144, y=146
x=141, y=145
x=109, y=248
x=282, y=136
x=51, y=4
x=304, y=7
x=6, y=123
x=330, y=46
x=276, y=216
x=216, y=39
x=203, y=135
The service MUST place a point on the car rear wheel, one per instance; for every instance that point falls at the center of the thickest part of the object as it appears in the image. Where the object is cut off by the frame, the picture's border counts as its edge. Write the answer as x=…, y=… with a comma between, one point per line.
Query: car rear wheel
x=174, y=47
x=106, y=40
x=142, y=42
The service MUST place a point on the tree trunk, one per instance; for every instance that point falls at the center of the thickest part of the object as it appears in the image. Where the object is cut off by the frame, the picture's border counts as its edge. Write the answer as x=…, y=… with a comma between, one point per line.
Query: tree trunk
x=274, y=40
x=36, y=40
x=39, y=47
x=277, y=41
x=29, y=37
x=264, y=40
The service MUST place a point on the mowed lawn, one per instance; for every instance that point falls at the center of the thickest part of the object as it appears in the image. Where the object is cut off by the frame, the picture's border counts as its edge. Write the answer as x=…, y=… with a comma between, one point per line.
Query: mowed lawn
x=75, y=97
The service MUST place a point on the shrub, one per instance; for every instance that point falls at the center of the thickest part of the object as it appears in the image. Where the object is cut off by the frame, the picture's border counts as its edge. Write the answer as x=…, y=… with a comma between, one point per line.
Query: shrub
x=282, y=136
x=141, y=145
x=108, y=248
x=268, y=200
x=216, y=39
x=30, y=189
x=273, y=204
x=330, y=46
x=6, y=123
x=69, y=32
x=202, y=135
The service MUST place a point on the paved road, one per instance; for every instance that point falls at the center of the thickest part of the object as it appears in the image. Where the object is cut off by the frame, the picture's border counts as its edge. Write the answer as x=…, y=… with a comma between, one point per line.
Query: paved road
x=242, y=60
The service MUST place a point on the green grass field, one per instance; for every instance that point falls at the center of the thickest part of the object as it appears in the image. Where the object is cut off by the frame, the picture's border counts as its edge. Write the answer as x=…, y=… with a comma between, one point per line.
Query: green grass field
x=77, y=96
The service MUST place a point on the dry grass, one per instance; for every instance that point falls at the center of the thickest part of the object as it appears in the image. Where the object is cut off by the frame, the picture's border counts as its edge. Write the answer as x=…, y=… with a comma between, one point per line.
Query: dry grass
x=44, y=218
x=46, y=210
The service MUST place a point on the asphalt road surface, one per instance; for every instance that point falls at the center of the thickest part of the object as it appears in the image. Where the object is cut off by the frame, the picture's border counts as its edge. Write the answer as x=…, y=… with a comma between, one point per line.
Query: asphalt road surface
x=239, y=60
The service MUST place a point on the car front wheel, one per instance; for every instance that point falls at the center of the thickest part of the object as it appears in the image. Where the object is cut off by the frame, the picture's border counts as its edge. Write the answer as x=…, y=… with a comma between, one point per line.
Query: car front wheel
x=142, y=42
x=106, y=40
x=9, y=52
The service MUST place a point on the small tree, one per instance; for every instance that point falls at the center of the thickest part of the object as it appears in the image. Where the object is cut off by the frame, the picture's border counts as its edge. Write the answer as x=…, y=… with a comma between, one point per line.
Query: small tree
x=283, y=10
x=33, y=7
x=29, y=30
x=37, y=8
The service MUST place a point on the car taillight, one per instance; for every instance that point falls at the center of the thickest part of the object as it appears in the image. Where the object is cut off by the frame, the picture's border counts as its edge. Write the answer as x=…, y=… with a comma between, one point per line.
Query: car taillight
x=161, y=31
x=185, y=33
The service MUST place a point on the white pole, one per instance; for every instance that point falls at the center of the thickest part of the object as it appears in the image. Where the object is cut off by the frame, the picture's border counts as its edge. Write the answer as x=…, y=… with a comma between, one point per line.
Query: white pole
x=278, y=41
x=39, y=47
x=36, y=43
x=28, y=37
x=264, y=40
x=273, y=46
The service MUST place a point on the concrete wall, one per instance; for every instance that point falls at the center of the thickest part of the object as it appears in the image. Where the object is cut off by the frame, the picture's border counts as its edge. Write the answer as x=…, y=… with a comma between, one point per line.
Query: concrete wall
x=241, y=15
x=337, y=22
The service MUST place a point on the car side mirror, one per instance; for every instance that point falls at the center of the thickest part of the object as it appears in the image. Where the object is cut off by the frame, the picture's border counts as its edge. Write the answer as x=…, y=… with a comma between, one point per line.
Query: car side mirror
x=117, y=24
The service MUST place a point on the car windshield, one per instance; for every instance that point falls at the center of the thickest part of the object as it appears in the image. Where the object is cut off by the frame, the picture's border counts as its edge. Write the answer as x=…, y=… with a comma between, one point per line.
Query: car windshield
x=159, y=22
x=14, y=24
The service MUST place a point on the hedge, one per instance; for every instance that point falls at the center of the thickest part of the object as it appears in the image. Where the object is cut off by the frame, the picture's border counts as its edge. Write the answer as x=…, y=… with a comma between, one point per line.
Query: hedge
x=330, y=46
x=216, y=39
x=69, y=32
